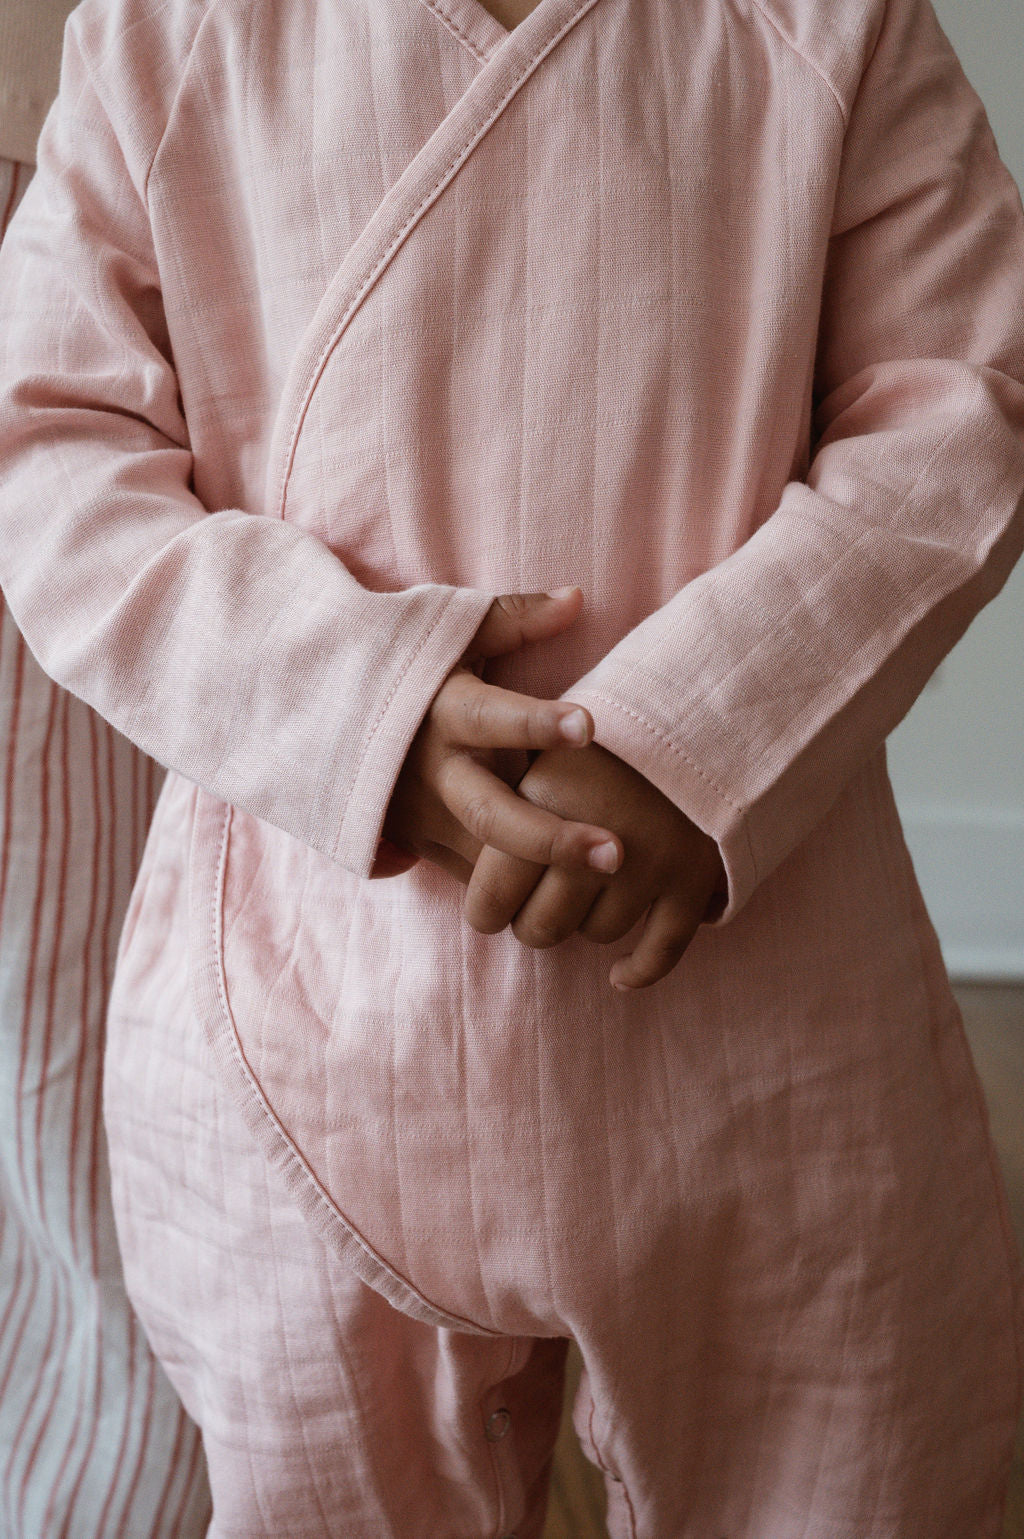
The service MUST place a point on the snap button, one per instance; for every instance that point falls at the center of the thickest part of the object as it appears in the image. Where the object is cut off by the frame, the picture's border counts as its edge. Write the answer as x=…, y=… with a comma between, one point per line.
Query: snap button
x=498, y=1424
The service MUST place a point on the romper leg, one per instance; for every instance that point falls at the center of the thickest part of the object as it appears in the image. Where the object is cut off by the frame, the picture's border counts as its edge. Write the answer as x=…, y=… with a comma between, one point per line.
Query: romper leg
x=325, y=1412
x=829, y=1347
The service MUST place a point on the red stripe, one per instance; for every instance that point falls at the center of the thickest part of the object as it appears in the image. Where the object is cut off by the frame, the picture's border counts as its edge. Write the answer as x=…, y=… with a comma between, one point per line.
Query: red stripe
x=107, y=940
x=86, y=1003
x=33, y=948
x=19, y=670
x=26, y=1040
x=57, y=699
x=193, y=1474
x=124, y=1528
x=24, y=1425
x=12, y=1299
x=94, y=1142
x=16, y=1343
x=73, y=1184
x=58, y=934
x=172, y=1469
x=26, y=1017
x=126, y=1422
x=40, y=1435
x=65, y=1461
x=12, y=740
x=54, y=970
x=94, y=1151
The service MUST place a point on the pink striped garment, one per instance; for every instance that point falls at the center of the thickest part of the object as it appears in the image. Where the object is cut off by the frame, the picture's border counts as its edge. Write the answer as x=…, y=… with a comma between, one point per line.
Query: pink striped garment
x=93, y=1440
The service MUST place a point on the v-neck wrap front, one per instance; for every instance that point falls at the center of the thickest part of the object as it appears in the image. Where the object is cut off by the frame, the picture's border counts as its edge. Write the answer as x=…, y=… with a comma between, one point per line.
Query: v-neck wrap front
x=326, y=323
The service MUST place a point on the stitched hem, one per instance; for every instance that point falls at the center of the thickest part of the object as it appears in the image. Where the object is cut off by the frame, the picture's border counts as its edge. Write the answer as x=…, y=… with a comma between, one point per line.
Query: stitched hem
x=805, y=59
x=452, y=162
x=207, y=870
x=457, y=32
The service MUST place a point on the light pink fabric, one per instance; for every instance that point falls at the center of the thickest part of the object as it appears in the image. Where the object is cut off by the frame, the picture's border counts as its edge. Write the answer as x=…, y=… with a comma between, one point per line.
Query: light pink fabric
x=359, y=1422
x=322, y=325
x=93, y=1441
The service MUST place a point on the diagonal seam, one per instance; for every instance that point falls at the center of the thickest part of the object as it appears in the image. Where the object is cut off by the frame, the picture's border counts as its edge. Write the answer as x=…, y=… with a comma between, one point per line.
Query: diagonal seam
x=452, y=166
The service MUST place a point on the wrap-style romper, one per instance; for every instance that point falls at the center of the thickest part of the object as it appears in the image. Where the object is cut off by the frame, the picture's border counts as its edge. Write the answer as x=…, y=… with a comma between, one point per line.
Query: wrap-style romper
x=323, y=324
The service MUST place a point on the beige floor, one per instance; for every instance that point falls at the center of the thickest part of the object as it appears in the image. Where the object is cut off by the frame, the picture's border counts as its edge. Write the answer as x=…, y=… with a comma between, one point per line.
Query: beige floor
x=994, y=1017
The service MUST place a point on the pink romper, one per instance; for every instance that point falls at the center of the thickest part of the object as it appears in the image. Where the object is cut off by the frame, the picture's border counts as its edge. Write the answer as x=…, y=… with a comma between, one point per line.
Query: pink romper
x=324, y=323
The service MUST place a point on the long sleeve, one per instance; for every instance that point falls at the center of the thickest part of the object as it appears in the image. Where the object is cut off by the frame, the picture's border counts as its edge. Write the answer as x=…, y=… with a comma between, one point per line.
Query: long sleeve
x=232, y=647
x=756, y=693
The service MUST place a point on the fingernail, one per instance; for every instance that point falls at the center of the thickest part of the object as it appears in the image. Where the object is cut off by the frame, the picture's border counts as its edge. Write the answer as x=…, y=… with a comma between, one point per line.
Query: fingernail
x=603, y=857
x=623, y=988
x=561, y=593
x=574, y=727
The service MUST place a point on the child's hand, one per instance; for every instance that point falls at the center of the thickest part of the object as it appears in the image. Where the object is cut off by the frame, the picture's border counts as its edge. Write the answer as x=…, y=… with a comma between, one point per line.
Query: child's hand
x=448, y=800
x=671, y=867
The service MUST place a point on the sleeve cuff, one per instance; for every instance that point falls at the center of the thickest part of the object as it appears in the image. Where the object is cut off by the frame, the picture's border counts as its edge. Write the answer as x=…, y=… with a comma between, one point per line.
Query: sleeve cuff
x=624, y=731
x=430, y=658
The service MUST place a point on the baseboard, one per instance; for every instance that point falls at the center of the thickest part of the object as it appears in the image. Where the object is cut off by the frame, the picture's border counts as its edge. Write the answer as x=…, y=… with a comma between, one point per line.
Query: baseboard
x=970, y=864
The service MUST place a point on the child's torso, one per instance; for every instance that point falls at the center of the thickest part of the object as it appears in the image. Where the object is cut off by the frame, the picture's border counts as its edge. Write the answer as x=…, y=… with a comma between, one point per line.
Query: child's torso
x=513, y=310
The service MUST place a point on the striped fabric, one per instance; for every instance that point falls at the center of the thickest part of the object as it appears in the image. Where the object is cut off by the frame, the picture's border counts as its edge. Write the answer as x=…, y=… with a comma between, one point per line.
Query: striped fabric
x=93, y=1441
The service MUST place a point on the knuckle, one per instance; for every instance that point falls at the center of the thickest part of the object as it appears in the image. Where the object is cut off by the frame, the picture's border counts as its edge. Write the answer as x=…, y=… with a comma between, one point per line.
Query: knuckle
x=486, y=904
x=535, y=932
x=527, y=727
x=443, y=779
x=474, y=713
x=513, y=604
x=477, y=815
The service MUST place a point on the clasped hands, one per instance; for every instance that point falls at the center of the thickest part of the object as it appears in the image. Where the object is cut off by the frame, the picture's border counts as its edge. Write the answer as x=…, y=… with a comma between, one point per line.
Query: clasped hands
x=583, y=843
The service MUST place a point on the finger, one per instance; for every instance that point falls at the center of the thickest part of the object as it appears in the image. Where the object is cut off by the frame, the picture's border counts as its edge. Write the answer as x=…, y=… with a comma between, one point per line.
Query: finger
x=614, y=912
x=493, y=813
x=556, y=907
x=517, y=618
x=478, y=715
x=667, y=932
x=498, y=888
x=438, y=830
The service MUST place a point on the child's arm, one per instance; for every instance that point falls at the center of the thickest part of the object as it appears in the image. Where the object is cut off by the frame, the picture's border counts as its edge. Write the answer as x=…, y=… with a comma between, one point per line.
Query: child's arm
x=236, y=649
x=753, y=697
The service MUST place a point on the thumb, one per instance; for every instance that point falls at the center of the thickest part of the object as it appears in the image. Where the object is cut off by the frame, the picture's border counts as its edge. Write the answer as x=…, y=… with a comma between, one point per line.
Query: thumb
x=516, y=618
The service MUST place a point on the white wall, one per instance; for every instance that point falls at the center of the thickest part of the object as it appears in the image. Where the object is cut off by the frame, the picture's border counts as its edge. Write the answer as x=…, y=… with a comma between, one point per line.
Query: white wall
x=957, y=761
